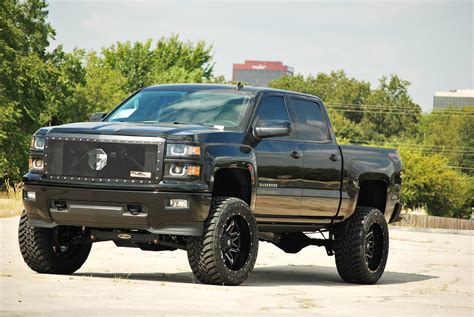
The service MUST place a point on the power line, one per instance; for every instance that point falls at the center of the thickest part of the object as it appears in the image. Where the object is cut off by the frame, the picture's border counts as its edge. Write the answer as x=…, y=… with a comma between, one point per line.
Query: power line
x=391, y=106
x=460, y=167
x=358, y=106
x=403, y=113
x=412, y=144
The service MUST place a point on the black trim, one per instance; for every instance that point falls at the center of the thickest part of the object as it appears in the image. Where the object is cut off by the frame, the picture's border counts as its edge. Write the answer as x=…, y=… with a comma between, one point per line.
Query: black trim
x=299, y=217
x=396, y=213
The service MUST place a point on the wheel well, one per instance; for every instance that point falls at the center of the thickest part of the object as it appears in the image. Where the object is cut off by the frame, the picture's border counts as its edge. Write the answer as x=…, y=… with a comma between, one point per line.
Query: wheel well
x=233, y=182
x=373, y=193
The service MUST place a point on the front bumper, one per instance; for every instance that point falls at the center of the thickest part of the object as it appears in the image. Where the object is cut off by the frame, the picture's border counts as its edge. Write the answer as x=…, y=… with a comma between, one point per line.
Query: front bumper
x=106, y=208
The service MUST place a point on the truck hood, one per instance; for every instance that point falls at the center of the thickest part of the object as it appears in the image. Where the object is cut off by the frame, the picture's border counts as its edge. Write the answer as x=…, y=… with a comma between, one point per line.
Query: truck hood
x=129, y=128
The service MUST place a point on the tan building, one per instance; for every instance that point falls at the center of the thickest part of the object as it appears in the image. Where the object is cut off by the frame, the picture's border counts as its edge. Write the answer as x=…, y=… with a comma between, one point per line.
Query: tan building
x=458, y=98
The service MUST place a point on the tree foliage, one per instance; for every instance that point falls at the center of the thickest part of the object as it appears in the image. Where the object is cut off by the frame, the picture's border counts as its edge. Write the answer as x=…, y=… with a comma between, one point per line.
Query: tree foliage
x=450, y=133
x=24, y=73
x=394, y=114
x=171, y=60
x=427, y=183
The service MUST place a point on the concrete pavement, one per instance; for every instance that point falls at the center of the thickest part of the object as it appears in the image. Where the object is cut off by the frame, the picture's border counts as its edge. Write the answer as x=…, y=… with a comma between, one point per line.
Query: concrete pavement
x=428, y=273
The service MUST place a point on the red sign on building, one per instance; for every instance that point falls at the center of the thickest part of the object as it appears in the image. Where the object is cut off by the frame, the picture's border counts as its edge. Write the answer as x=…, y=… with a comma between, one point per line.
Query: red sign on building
x=259, y=73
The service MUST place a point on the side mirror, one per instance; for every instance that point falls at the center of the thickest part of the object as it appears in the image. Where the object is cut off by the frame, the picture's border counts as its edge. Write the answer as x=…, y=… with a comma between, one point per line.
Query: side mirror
x=272, y=128
x=98, y=116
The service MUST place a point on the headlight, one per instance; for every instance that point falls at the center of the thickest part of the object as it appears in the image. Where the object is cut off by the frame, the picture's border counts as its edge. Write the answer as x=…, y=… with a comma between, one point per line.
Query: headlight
x=179, y=170
x=37, y=143
x=176, y=150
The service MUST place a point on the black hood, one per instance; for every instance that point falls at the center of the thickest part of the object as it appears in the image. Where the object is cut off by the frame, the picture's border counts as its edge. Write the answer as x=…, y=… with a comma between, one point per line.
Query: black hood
x=126, y=128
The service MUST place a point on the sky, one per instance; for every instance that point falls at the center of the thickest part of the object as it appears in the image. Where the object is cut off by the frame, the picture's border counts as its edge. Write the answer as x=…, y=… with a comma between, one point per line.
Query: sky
x=429, y=43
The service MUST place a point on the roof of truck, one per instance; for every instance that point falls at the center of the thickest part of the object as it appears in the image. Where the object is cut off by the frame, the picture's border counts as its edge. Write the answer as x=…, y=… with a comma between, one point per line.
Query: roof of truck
x=250, y=89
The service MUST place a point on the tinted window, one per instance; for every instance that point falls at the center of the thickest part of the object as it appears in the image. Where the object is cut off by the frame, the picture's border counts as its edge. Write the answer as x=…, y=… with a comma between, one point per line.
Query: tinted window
x=272, y=108
x=202, y=107
x=310, y=123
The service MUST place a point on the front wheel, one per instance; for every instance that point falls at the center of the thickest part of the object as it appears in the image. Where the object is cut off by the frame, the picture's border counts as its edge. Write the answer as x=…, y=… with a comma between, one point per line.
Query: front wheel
x=226, y=252
x=52, y=250
x=362, y=247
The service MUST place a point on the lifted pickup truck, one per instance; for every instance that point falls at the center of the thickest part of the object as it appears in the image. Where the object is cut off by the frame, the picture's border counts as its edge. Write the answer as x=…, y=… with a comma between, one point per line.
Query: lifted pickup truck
x=213, y=170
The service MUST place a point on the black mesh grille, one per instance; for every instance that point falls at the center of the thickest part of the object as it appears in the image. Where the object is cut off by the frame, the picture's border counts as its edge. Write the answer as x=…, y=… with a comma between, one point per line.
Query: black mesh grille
x=103, y=160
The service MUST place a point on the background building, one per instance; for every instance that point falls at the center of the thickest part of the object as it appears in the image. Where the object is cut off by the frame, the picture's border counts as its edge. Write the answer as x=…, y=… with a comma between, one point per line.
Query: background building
x=454, y=98
x=259, y=73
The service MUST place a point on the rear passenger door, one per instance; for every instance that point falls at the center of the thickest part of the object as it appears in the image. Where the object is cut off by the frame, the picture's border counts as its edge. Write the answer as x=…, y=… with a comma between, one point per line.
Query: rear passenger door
x=322, y=160
x=279, y=170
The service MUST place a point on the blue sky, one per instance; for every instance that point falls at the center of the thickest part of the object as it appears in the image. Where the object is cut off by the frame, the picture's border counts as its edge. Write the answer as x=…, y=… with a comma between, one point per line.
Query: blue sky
x=429, y=43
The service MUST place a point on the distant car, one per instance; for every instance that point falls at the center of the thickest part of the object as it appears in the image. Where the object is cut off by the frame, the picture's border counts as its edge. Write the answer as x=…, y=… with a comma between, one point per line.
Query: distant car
x=210, y=169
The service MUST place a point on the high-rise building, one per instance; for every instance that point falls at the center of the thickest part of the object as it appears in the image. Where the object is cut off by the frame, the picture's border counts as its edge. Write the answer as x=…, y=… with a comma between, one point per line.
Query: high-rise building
x=259, y=73
x=459, y=98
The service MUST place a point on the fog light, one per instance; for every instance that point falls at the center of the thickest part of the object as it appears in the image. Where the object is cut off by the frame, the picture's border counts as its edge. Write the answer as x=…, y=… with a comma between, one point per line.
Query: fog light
x=29, y=195
x=178, y=203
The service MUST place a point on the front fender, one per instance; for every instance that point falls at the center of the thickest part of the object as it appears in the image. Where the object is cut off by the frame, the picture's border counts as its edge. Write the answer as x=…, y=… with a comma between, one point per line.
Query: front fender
x=219, y=156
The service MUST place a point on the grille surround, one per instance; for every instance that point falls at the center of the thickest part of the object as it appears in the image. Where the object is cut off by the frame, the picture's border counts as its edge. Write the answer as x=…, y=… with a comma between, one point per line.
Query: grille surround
x=90, y=141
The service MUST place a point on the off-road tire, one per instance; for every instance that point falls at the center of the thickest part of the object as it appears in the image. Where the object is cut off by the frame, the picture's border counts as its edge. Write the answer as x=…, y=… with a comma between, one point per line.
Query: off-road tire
x=205, y=253
x=36, y=247
x=351, y=246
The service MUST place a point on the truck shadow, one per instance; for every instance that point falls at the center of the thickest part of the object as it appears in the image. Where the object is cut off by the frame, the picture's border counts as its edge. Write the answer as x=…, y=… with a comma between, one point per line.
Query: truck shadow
x=271, y=276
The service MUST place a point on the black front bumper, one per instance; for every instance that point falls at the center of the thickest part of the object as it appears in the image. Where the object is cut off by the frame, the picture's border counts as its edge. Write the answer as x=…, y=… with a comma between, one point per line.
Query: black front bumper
x=109, y=208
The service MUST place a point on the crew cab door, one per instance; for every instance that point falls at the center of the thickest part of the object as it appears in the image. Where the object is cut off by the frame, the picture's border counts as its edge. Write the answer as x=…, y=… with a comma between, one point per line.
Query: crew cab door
x=322, y=160
x=279, y=165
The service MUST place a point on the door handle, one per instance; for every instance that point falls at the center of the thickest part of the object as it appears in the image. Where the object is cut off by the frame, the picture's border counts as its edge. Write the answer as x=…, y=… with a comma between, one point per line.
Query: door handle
x=296, y=155
x=335, y=157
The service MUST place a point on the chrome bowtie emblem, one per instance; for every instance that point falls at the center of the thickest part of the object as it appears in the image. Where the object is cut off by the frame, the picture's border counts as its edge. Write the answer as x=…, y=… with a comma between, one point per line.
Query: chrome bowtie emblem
x=97, y=159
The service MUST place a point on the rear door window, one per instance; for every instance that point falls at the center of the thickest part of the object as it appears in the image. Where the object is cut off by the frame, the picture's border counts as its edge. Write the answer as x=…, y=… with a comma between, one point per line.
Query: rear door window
x=309, y=120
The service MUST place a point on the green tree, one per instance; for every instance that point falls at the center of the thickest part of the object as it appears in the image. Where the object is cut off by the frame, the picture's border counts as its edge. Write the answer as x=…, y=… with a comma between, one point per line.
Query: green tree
x=429, y=183
x=392, y=112
x=101, y=91
x=450, y=133
x=172, y=60
x=346, y=130
x=24, y=74
x=67, y=73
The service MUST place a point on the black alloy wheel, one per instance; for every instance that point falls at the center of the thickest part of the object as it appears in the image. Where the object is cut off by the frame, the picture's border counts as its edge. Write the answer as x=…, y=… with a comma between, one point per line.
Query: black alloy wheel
x=226, y=252
x=374, y=247
x=361, y=246
x=235, y=243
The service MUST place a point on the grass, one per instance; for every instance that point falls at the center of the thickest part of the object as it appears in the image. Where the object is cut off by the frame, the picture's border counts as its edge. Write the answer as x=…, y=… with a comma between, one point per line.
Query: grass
x=10, y=200
x=10, y=207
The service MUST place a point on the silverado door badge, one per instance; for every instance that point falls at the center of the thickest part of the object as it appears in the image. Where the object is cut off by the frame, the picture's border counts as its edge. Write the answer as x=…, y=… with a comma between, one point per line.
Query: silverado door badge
x=97, y=159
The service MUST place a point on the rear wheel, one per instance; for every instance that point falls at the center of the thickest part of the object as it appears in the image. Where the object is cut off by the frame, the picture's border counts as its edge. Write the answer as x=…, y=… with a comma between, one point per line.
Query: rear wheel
x=362, y=247
x=52, y=250
x=227, y=250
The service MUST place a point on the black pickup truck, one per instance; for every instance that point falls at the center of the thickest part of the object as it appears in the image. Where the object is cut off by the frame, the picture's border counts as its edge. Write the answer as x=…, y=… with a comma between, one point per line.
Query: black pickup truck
x=213, y=170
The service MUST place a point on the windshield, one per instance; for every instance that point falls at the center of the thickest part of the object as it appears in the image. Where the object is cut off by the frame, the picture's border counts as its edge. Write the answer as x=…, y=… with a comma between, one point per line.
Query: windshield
x=204, y=107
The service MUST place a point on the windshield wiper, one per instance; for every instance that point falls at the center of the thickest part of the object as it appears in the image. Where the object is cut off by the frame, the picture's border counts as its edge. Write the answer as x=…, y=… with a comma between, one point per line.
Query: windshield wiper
x=174, y=122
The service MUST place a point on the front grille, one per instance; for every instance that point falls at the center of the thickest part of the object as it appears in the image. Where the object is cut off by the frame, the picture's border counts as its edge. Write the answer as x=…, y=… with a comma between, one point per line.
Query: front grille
x=103, y=159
